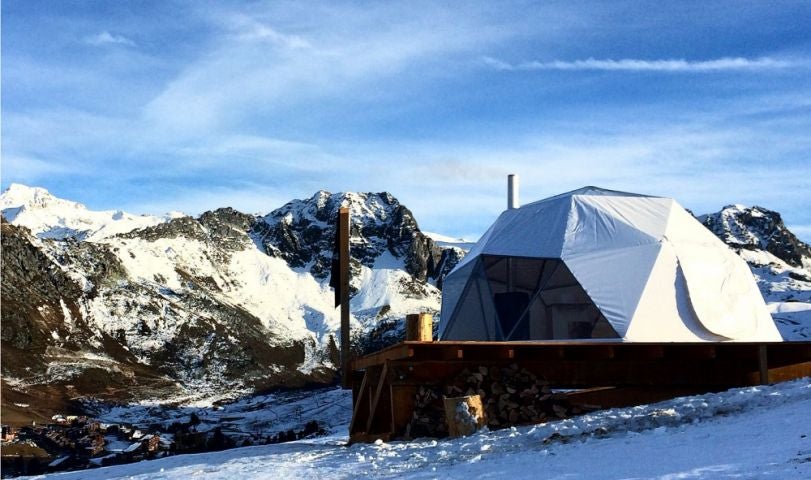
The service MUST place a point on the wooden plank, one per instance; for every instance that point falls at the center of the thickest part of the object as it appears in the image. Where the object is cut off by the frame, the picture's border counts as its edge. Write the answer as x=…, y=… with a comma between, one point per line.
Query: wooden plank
x=373, y=409
x=763, y=364
x=395, y=352
x=571, y=365
x=566, y=373
x=642, y=352
x=587, y=352
x=402, y=407
x=613, y=397
x=786, y=352
x=783, y=373
x=359, y=414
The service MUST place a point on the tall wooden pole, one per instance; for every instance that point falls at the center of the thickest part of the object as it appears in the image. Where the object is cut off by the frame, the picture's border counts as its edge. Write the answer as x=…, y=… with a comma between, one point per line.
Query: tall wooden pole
x=343, y=259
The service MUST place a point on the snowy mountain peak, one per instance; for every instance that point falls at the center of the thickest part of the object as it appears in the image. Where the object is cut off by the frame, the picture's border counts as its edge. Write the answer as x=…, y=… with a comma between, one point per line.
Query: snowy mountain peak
x=383, y=230
x=19, y=193
x=48, y=216
x=18, y=197
x=758, y=228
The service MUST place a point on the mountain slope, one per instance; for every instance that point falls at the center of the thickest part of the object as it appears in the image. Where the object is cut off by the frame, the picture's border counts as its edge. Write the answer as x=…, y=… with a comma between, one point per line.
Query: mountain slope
x=226, y=302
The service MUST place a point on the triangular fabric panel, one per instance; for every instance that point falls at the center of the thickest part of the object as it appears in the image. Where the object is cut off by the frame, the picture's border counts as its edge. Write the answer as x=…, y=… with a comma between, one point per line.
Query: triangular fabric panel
x=601, y=223
x=452, y=288
x=615, y=280
x=475, y=317
x=530, y=231
x=609, y=222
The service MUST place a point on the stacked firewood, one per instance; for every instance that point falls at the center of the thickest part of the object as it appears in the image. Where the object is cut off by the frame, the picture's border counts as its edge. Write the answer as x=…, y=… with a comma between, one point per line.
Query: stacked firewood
x=428, y=419
x=511, y=396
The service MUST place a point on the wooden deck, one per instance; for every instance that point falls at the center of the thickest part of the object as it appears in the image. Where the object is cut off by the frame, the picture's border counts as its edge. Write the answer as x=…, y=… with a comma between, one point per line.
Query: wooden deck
x=607, y=373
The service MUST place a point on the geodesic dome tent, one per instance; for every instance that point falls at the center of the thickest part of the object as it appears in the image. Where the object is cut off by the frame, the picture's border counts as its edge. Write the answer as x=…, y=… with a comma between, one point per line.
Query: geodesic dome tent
x=601, y=264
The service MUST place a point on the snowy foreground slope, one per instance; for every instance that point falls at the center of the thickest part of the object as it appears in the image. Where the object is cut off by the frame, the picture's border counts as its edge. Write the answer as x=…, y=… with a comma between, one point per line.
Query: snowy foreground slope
x=756, y=432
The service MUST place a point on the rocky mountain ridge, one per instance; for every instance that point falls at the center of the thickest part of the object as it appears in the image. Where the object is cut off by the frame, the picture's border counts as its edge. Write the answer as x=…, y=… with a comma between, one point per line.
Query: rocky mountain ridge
x=223, y=302
x=757, y=228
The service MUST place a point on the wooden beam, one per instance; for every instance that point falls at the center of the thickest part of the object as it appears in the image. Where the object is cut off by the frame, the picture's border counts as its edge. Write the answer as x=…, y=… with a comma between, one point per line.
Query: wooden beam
x=789, y=372
x=396, y=352
x=343, y=260
x=381, y=382
x=402, y=407
x=357, y=410
x=763, y=364
x=648, y=363
x=612, y=397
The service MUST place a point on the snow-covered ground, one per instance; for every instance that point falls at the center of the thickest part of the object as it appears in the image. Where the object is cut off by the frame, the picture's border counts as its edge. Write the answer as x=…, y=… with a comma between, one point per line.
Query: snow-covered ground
x=257, y=415
x=786, y=290
x=757, y=432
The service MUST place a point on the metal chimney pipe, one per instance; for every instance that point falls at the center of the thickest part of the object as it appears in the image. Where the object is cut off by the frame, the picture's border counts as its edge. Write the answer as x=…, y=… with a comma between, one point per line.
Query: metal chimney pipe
x=512, y=192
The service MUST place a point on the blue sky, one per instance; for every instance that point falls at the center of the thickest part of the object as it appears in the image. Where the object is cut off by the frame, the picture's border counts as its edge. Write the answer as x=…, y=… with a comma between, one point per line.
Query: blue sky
x=158, y=106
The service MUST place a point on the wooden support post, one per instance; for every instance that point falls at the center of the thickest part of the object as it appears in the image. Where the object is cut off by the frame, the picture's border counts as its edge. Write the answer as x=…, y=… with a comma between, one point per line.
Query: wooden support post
x=357, y=408
x=419, y=327
x=379, y=388
x=402, y=407
x=763, y=363
x=343, y=259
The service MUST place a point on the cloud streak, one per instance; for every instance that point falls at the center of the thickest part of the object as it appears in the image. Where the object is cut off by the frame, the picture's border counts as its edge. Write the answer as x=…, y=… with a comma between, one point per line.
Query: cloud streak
x=107, y=38
x=724, y=64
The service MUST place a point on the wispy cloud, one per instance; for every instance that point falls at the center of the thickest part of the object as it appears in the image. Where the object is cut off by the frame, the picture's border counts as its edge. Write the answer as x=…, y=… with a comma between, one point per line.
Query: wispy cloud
x=246, y=28
x=107, y=38
x=637, y=65
x=265, y=66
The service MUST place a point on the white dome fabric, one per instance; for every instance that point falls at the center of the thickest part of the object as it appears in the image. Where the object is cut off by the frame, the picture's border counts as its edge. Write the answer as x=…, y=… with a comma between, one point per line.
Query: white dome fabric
x=651, y=269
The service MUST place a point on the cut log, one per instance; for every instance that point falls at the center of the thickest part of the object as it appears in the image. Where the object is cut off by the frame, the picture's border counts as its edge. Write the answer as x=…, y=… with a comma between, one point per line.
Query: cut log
x=419, y=327
x=464, y=415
